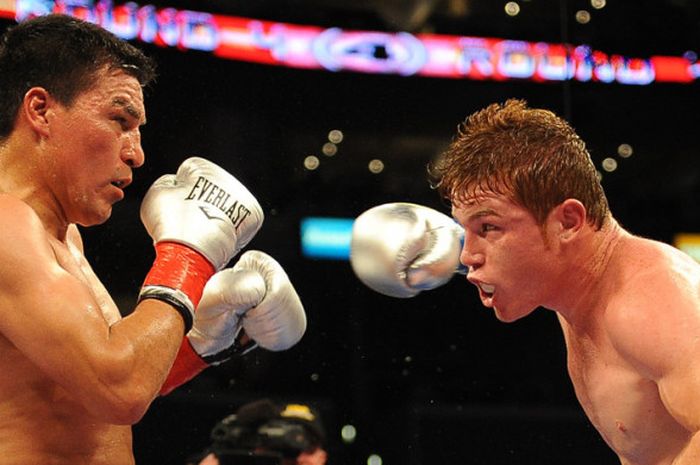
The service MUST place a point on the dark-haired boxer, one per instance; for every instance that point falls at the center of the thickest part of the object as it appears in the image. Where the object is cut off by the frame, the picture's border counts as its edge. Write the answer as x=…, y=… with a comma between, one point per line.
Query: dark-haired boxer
x=535, y=230
x=74, y=374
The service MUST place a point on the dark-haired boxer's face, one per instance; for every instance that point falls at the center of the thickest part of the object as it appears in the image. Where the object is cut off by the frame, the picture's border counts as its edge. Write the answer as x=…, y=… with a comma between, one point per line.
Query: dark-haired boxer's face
x=93, y=145
x=507, y=254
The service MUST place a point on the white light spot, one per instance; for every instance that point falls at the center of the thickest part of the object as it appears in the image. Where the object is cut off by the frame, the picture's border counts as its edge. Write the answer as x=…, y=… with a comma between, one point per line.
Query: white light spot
x=376, y=166
x=311, y=162
x=609, y=164
x=335, y=136
x=583, y=17
x=329, y=149
x=625, y=150
x=348, y=433
x=512, y=9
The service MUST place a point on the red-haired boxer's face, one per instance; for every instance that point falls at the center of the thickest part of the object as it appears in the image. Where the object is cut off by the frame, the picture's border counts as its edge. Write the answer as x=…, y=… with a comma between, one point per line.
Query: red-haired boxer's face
x=93, y=145
x=508, y=257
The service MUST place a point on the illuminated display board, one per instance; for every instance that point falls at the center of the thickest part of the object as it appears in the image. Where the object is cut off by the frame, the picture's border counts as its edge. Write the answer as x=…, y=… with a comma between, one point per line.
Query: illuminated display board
x=324, y=237
x=335, y=49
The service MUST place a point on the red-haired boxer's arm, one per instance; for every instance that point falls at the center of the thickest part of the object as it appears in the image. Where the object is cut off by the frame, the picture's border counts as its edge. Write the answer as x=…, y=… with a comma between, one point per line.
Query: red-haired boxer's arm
x=255, y=295
x=655, y=329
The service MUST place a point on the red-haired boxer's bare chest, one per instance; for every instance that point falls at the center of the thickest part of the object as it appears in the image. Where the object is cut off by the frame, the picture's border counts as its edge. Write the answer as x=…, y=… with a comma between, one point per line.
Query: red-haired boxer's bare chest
x=624, y=407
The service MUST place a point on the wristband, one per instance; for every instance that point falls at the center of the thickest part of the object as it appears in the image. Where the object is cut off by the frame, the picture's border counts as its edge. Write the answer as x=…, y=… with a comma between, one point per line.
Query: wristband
x=178, y=276
x=187, y=365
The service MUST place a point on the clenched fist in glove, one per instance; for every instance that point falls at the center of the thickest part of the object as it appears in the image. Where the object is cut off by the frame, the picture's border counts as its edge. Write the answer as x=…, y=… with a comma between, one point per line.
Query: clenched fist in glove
x=255, y=296
x=199, y=218
x=401, y=249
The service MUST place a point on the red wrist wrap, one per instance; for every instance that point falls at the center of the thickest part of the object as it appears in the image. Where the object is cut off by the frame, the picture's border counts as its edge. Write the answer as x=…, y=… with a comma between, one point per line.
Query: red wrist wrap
x=180, y=268
x=187, y=365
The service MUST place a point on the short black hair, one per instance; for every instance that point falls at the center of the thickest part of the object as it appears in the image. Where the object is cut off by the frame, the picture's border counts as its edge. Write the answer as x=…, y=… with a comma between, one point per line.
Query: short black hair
x=63, y=55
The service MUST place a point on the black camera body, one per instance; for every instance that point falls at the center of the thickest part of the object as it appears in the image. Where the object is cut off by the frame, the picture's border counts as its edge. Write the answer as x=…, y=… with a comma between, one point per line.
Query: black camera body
x=260, y=443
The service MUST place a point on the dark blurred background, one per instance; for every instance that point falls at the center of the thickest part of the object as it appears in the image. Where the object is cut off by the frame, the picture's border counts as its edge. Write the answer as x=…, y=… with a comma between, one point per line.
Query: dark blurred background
x=434, y=379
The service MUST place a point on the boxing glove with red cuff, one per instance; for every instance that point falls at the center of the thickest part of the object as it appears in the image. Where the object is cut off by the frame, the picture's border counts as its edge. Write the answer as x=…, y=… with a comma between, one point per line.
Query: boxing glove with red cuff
x=199, y=218
x=255, y=295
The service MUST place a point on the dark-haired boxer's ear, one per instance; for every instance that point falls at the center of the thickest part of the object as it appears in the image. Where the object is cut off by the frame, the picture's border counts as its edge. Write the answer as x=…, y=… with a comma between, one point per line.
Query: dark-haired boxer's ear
x=35, y=108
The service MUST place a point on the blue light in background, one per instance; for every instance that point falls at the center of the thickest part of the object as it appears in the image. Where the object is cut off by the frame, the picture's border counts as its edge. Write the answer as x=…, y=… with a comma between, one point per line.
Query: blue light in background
x=324, y=237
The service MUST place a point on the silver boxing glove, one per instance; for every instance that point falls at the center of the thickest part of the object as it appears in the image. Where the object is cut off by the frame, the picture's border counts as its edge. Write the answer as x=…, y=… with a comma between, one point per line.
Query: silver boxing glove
x=203, y=207
x=255, y=295
x=401, y=249
x=277, y=321
x=199, y=218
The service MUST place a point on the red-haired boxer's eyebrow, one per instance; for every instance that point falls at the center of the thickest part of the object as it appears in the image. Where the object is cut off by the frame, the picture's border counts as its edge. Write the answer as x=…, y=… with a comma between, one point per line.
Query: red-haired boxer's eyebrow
x=482, y=213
